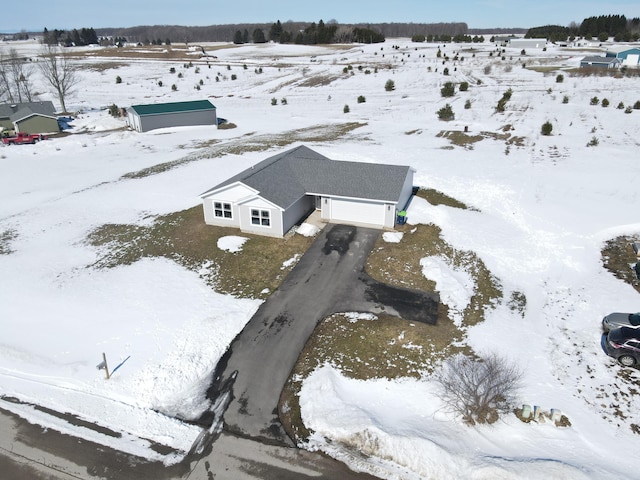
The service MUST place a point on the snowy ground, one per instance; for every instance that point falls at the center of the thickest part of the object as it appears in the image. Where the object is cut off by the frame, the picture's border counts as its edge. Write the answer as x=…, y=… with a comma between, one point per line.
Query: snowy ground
x=542, y=210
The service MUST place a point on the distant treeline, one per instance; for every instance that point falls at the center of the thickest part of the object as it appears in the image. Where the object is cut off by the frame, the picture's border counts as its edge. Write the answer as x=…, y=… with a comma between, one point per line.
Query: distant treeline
x=602, y=27
x=283, y=32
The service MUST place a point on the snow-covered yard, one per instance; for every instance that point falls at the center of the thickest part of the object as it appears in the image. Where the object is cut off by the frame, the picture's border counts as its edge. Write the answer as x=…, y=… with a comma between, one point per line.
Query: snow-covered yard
x=542, y=208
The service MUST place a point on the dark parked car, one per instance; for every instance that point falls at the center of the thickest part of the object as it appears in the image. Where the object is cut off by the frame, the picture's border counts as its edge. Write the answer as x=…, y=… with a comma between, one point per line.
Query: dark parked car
x=615, y=320
x=623, y=344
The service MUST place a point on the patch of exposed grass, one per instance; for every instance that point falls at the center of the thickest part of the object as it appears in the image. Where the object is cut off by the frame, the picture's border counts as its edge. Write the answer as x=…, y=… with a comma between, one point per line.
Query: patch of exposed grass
x=618, y=257
x=460, y=138
x=390, y=347
x=399, y=264
x=518, y=303
x=6, y=237
x=386, y=347
x=103, y=66
x=435, y=197
x=319, y=80
x=256, y=143
x=184, y=238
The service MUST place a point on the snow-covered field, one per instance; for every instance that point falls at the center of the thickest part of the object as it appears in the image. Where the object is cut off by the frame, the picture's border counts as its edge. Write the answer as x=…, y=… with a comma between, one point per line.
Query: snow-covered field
x=543, y=206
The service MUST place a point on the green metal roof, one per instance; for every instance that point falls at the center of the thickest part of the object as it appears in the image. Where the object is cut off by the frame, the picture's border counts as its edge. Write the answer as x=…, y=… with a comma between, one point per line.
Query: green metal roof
x=173, y=107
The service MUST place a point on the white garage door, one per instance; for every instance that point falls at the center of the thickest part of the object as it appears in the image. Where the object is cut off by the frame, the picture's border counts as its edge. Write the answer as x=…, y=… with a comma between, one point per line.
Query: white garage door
x=632, y=59
x=356, y=211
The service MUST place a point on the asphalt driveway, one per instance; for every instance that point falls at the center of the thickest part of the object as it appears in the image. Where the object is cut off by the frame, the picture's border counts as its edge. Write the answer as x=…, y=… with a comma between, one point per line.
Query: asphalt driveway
x=329, y=278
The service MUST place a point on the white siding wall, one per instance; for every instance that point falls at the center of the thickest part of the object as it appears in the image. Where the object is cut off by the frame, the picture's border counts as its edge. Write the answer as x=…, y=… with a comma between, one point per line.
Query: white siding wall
x=230, y=194
x=275, y=218
x=295, y=212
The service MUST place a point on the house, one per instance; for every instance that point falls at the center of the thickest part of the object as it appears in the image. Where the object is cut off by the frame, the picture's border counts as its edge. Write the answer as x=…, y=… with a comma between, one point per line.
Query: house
x=30, y=117
x=527, y=43
x=277, y=193
x=175, y=114
x=628, y=56
x=600, y=62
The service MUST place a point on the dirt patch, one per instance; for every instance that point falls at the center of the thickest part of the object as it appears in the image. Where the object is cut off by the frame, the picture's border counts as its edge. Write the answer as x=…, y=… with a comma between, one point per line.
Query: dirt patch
x=619, y=258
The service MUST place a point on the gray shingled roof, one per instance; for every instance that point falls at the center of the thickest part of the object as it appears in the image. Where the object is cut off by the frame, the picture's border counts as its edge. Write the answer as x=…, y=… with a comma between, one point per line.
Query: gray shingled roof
x=17, y=111
x=600, y=60
x=284, y=178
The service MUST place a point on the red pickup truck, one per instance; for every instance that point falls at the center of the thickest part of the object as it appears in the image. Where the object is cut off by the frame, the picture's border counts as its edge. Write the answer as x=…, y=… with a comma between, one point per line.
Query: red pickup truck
x=22, y=138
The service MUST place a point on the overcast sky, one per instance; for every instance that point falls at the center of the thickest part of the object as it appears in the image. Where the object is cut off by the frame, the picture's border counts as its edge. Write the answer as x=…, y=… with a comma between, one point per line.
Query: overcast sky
x=65, y=15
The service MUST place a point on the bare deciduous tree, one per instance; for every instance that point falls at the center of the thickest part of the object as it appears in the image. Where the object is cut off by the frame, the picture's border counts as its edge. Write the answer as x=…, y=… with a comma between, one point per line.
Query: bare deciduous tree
x=59, y=72
x=15, y=78
x=479, y=389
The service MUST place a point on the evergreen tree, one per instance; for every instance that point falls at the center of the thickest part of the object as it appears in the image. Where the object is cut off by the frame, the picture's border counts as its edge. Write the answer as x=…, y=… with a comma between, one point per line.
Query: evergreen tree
x=258, y=36
x=237, y=37
x=275, y=32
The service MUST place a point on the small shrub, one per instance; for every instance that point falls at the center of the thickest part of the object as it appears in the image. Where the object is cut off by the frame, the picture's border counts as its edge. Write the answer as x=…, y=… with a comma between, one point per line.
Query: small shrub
x=593, y=142
x=501, y=105
x=605, y=102
x=467, y=104
x=118, y=79
x=464, y=86
x=172, y=70
x=445, y=71
x=546, y=129
x=244, y=66
x=361, y=99
x=346, y=109
x=345, y=70
x=565, y=99
x=180, y=75
x=274, y=101
x=228, y=67
x=487, y=69
x=448, y=90
x=114, y=111
x=636, y=106
x=234, y=76
x=201, y=82
x=159, y=83
x=620, y=106
x=283, y=101
x=390, y=86
x=559, y=78
x=628, y=110
x=594, y=101
x=479, y=390
x=174, y=87
x=446, y=113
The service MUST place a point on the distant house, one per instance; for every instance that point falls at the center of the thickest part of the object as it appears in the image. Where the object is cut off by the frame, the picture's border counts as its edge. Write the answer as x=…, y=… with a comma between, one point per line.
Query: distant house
x=176, y=114
x=600, y=62
x=527, y=43
x=277, y=193
x=30, y=117
x=628, y=56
